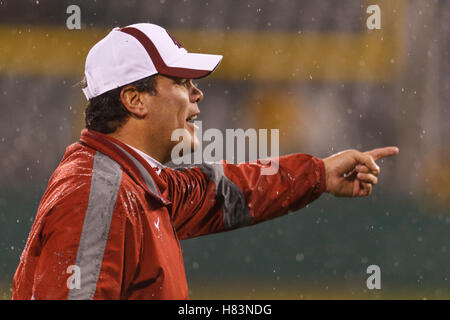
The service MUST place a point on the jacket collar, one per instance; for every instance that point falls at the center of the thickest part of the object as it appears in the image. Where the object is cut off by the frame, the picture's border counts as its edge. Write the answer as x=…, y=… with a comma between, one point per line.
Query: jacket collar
x=137, y=167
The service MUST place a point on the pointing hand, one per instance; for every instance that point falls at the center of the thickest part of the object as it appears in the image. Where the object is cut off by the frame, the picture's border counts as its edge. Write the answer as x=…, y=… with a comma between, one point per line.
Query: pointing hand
x=352, y=173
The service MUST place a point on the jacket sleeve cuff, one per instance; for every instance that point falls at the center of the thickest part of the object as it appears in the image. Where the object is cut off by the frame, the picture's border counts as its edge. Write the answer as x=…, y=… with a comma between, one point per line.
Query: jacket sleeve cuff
x=321, y=178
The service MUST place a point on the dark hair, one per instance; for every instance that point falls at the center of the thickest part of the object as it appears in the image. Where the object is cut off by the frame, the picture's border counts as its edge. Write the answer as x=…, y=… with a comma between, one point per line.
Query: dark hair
x=106, y=113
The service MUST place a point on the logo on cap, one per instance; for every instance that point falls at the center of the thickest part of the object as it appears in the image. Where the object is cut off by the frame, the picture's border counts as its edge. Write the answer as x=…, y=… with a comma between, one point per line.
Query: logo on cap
x=177, y=43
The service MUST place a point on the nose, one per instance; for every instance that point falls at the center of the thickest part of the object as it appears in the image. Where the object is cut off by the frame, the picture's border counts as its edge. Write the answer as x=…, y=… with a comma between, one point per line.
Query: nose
x=196, y=94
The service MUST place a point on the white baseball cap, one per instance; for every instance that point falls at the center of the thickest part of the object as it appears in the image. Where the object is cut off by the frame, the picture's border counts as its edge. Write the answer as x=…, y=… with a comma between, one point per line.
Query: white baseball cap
x=138, y=51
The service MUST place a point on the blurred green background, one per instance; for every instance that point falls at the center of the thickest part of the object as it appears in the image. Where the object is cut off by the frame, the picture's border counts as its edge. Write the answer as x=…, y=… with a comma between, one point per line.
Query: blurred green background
x=311, y=69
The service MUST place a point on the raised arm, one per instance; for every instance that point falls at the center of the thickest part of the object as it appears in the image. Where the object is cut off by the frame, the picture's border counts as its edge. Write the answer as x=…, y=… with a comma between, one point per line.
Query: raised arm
x=211, y=198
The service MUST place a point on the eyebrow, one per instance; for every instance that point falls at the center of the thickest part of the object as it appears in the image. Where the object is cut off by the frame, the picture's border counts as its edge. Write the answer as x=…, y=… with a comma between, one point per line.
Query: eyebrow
x=175, y=78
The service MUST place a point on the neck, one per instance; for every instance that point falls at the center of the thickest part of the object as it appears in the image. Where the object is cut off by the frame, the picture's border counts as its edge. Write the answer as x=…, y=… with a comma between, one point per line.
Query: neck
x=149, y=144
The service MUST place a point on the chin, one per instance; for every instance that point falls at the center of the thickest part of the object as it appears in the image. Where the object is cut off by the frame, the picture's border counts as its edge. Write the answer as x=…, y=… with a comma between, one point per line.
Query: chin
x=195, y=145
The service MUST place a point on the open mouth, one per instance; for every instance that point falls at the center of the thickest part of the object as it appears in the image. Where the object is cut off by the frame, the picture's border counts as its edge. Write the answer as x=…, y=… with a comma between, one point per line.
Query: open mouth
x=192, y=118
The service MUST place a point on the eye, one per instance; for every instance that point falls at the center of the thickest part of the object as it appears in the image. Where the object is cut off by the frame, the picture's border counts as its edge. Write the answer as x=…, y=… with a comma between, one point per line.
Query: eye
x=187, y=83
x=182, y=82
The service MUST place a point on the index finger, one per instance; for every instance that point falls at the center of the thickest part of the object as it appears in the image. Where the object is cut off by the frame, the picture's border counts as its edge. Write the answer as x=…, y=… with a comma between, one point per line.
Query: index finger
x=382, y=152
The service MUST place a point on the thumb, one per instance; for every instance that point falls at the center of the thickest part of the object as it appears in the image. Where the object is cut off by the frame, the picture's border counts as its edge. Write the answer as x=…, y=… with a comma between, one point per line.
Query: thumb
x=368, y=161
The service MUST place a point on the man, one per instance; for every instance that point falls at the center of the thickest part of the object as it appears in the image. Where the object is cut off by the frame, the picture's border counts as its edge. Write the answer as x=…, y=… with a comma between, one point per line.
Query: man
x=109, y=223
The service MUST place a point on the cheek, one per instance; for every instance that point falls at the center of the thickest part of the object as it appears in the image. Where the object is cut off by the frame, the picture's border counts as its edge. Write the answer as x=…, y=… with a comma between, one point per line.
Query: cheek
x=176, y=108
x=172, y=106
x=180, y=105
x=171, y=114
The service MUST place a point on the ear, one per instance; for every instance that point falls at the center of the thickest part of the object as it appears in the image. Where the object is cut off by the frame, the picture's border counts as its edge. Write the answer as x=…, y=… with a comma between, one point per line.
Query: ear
x=133, y=100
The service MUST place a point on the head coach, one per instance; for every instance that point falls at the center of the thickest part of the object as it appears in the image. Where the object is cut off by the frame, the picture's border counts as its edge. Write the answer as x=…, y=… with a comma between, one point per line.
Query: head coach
x=109, y=223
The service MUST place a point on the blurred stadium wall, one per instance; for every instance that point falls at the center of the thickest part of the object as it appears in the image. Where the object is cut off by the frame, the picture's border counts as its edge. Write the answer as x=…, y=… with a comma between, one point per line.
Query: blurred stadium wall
x=308, y=68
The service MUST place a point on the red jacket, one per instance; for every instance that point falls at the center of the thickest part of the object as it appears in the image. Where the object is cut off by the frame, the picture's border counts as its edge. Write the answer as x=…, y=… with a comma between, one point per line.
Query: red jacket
x=108, y=226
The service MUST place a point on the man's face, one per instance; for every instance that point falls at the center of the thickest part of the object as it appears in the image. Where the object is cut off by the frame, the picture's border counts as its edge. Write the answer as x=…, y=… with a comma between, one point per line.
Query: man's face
x=173, y=107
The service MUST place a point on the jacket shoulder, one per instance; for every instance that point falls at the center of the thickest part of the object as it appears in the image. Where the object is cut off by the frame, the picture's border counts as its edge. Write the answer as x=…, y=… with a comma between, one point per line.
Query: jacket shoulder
x=82, y=171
